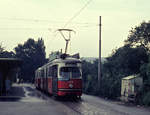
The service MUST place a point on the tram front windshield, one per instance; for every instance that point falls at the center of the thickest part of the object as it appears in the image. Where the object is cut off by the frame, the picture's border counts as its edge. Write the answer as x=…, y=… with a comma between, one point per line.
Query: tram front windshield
x=70, y=72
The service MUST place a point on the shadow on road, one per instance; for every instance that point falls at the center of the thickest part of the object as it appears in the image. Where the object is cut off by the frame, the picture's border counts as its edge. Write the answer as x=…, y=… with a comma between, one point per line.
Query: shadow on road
x=15, y=94
x=9, y=99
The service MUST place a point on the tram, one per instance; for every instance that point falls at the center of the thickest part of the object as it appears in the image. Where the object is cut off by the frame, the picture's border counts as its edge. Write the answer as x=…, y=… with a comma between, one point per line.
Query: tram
x=60, y=77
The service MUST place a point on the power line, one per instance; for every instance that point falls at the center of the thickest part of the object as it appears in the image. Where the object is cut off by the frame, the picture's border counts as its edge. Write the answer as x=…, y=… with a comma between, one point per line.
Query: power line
x=77, y=13
x=28, y=19
x=42, y=20
x=45, y=28
x=4, y=28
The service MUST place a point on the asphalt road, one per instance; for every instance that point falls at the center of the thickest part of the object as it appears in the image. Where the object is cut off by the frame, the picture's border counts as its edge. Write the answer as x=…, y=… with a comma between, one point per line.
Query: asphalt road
x=26, y=100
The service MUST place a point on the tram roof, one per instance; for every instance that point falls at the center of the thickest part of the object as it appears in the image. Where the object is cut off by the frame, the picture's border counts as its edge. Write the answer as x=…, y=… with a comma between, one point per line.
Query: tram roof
x=60, y=60
x=68, y=59
x=11, y=62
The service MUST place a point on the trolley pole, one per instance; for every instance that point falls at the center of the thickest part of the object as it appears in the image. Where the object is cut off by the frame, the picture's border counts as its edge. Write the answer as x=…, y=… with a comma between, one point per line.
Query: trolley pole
x=99, y=61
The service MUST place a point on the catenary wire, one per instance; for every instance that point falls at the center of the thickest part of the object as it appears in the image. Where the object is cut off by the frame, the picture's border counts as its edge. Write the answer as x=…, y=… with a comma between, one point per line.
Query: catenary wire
x=74, y=16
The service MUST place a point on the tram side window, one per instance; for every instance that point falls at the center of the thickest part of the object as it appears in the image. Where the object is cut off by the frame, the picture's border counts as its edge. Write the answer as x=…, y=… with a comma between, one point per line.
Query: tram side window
x=46, y=72
x=54, y=70
x=42, y=73
x=39, y=74
x=35, y=74
x=50, y=72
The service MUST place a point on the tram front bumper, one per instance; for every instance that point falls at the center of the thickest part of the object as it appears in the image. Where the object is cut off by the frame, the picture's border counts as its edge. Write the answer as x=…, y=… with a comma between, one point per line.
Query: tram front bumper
x=64, y=92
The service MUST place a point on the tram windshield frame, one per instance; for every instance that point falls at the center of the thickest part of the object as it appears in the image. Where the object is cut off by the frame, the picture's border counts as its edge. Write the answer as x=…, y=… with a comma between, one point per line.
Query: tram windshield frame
x=70, y=72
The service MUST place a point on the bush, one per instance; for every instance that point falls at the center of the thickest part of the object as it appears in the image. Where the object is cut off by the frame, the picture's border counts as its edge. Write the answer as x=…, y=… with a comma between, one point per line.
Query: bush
x=146, y=99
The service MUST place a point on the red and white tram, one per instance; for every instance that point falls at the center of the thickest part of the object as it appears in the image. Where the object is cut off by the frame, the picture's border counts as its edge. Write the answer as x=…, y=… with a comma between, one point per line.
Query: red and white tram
x=60, y=77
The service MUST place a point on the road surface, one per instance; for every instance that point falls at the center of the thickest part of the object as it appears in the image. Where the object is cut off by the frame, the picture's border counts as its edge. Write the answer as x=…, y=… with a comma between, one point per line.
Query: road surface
x=26, y=100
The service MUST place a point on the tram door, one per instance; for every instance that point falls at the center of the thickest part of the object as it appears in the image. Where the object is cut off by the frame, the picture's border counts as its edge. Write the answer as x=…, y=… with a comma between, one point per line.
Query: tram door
x=54, y=79
x=46, y=86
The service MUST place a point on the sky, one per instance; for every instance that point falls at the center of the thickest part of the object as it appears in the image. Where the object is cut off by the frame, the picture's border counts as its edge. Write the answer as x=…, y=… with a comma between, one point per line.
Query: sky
x=23, y=19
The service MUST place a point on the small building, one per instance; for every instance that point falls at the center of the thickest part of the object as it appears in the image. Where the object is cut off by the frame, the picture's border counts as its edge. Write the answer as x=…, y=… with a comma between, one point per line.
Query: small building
x=129, y=87
x=8, y=70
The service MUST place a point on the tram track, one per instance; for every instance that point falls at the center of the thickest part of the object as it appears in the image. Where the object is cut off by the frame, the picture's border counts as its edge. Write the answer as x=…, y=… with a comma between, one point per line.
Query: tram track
x=84, y=108
x=78, y=112
x=51, y=99
x=70, y=103
x=78, y=107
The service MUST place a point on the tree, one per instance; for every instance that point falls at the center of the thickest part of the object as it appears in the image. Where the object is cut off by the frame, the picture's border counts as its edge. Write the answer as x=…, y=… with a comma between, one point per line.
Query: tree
x=1, y=48
x=140, y=36
x=6, y=54
x=89, y=73
x=124, y=61
x=128, y=60
x=33, y=55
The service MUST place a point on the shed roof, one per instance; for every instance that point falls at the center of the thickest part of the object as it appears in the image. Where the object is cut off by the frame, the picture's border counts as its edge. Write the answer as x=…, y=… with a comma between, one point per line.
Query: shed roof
x=10, y=62
x=129, y=77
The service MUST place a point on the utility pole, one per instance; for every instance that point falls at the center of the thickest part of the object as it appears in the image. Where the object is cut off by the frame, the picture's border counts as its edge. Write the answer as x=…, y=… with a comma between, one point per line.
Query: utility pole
x=99, y=61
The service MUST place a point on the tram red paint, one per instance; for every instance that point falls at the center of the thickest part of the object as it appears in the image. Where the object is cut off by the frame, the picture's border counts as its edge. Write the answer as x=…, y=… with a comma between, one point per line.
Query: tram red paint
x=50, y=85
x=74, y=84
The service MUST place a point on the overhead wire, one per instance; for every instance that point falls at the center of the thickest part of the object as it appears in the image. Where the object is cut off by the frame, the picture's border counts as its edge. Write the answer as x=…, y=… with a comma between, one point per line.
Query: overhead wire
x=76, y=14
x=42, y=20
x=85, y=25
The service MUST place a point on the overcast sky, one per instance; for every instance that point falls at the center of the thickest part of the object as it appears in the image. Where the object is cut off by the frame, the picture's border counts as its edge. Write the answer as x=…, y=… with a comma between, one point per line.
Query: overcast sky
x=23, y=19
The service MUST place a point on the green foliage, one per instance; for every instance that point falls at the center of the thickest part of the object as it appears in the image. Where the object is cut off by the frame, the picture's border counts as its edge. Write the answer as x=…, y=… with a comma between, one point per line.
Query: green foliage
x=123, y=62
x=89, y=72
x=139, y=36
x=143, y=70
x=33, y=55
x=128, y=60
x=146, y=99
x=1, y=48
x=148, y=73
x=6, y=54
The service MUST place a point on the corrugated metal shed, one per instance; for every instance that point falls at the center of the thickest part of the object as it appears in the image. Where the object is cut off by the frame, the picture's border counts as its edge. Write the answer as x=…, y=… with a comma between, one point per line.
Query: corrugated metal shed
x=130, y=87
